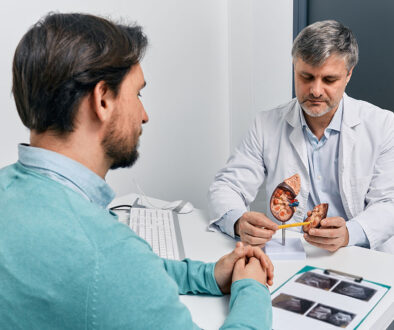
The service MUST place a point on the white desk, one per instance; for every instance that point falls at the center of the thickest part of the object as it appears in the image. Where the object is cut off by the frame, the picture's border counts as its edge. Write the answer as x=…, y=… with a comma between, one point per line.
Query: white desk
x=210, y=312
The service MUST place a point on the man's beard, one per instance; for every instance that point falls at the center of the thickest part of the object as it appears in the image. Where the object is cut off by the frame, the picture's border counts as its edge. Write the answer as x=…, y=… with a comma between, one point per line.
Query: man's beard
x=119, y=149
x=314, y=114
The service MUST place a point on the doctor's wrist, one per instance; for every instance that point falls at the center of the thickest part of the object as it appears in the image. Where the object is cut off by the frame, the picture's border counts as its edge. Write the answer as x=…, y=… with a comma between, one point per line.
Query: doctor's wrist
x=236, y=227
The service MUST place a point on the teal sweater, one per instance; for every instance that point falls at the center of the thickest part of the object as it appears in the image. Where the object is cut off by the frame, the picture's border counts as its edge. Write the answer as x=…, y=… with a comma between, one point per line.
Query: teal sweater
x=66, y=263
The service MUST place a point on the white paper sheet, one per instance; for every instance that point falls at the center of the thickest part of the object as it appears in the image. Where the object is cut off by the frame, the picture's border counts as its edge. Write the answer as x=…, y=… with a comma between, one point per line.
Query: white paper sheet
x=313, y=300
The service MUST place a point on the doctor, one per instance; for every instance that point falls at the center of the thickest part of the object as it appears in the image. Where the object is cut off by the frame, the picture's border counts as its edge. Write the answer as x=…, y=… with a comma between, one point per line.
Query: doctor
x=342, y=148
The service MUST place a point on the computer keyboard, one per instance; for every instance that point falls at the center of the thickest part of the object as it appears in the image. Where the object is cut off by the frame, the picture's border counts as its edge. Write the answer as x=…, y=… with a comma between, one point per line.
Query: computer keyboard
x=160, y=228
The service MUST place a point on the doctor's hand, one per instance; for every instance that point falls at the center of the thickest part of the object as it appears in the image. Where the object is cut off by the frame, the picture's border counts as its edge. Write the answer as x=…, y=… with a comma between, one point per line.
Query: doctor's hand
x=224, y=268
x=331, y=235
x=255, y=228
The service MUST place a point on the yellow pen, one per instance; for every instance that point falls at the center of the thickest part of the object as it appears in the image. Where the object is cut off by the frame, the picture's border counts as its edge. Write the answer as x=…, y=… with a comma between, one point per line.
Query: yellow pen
x=294, y=224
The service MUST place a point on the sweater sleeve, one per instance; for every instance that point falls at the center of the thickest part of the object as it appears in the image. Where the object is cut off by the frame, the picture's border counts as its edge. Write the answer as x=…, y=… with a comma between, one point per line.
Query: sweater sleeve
x=132, y=288
x=250, y=306
x=193, y=276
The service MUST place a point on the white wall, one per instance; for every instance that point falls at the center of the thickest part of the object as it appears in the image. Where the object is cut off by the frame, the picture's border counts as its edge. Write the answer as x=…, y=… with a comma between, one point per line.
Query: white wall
x=191, y=82
x=260, y=76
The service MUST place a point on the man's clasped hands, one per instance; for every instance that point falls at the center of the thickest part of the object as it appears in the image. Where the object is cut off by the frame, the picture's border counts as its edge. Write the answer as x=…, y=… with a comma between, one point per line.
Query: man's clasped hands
x=245, y=261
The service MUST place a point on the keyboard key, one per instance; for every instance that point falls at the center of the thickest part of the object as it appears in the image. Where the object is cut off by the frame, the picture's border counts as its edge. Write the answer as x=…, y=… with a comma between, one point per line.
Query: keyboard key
x=157, y=228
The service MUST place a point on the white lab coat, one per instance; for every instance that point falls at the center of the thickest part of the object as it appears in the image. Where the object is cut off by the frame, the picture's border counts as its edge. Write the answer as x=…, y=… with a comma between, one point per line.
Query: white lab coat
x=274, y=149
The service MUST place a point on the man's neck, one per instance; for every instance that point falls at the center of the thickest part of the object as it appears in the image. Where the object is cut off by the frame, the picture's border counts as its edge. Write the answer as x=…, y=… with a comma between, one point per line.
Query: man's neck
x=82, y=150
x=318, y=124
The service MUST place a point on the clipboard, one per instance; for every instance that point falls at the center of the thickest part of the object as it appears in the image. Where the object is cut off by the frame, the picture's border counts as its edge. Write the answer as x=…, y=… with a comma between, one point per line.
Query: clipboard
x=316, y=298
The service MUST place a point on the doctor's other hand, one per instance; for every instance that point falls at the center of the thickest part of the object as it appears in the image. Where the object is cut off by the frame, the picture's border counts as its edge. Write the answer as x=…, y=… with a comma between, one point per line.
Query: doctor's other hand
x=331, y=235
x=255, y=228
x=249, y=268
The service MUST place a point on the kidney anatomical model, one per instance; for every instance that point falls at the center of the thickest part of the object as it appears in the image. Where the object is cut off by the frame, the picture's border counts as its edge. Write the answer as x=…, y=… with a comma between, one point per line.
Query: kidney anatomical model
x=318, y=213
x=283, y=200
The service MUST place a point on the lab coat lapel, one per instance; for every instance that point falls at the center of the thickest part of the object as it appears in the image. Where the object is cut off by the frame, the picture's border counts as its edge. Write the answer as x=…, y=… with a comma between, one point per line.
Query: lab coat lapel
x=297, y=135
x=347, y=141
x=298, y=142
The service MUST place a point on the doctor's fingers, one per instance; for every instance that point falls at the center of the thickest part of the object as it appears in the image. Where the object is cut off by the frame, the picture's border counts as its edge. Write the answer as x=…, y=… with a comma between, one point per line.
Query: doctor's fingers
x=328, y=232
x=256, y=231
x=323, y=240
x=253, y=240
x=329, y=247
x=333, y=222
x=260, y=220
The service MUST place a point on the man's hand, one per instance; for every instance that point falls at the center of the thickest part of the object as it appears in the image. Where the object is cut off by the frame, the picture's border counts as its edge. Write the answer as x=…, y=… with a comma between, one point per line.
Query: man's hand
x=331, y=235
x=225, y=266
x=249, y=269
x=265, y=262
x=255, y=228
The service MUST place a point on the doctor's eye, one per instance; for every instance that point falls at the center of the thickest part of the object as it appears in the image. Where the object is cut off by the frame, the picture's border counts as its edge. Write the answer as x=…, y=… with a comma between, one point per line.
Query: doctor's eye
x=307, y=77
x=330, y=80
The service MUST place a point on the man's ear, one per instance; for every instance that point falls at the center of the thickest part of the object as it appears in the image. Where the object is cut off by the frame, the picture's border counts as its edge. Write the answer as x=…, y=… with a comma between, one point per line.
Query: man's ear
x=103, y=101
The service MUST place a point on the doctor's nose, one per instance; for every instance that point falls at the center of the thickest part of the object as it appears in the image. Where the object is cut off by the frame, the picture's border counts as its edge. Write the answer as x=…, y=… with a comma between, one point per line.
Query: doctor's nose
x=316, y=89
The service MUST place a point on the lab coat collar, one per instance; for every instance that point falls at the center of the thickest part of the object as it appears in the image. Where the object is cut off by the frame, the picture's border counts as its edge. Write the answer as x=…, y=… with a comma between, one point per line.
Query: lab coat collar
x=293, y=114
x=297, y=136
x=351, y=113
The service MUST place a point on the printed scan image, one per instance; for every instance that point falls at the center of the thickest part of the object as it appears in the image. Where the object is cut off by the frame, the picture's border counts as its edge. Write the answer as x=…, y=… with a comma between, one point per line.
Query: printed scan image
x=292, y=304
x=317, y=281
x=331, y=315
x=354, y=291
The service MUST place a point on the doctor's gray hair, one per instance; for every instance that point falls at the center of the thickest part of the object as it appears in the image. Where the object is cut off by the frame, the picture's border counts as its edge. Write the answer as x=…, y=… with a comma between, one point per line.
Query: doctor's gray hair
x=315, y=43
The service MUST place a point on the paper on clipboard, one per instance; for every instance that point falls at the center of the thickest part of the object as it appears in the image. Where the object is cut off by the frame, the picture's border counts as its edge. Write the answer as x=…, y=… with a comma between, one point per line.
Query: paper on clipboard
x=313, y=300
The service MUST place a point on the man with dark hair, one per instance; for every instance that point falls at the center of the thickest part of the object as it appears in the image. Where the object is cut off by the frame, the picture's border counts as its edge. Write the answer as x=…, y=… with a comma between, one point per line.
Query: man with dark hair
x=342, y=149
x=65, y=260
